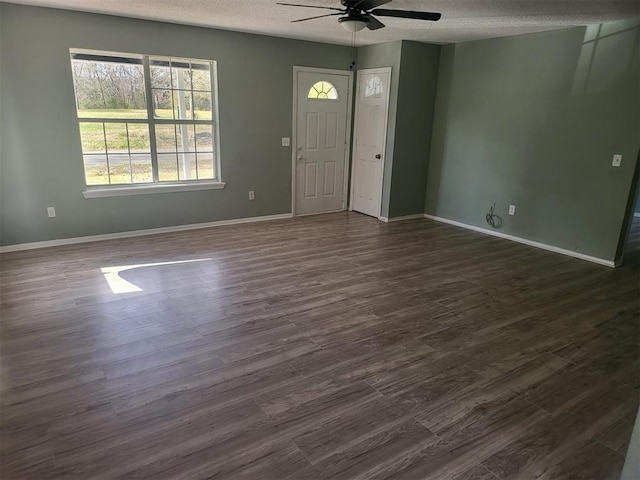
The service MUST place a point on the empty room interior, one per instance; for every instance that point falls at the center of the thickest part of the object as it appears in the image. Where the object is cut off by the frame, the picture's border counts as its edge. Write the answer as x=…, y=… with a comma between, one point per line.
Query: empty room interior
x=320, y=239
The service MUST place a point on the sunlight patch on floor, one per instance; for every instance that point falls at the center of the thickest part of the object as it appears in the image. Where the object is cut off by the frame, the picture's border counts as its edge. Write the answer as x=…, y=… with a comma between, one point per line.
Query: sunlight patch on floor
x=120, y=285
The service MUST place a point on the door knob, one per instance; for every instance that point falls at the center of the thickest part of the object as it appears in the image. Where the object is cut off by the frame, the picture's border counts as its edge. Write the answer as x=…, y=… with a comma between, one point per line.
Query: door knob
x=300, y=157
x=378, y=156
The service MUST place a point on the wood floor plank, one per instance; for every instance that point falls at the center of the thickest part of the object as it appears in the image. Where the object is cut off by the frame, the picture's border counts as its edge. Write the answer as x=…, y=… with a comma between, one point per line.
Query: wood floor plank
x=478, y=472
x=479, y=434
x=381, y=453
x=554, y=439
x=587, y=462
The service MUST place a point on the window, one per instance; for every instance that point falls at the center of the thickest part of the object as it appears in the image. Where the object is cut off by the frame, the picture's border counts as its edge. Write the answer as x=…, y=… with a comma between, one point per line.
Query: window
x=323, y=91
x=373, y=88
x=145, y=119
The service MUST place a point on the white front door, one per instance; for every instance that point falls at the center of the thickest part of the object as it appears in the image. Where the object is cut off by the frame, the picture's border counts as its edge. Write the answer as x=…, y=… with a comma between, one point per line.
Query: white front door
x=320, y=144
x=372, y=106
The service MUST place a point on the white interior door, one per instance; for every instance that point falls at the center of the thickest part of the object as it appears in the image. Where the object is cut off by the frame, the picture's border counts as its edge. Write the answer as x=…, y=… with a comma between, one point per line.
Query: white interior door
x=372, y=107
x=320, y=148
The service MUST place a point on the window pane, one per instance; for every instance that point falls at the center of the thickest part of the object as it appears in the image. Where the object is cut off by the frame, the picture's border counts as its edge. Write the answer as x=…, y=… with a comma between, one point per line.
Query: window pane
x=187, y=166
x=109, y=89
x=373, y=88
x=167, y=167
x=160, y=73
x=202, y=105
x=95, y=169
x=190, y=130
x=182, y=105
x=139, y=137
x=141, y=164
x=166, y=138
x=183, y=133
x=92, y=137
x=205, y=166
x=323, y=90
x=116, y=134
x=181, y=76
x=204, y=137
x=119, y=169
x=162, y=103
x=201, y=76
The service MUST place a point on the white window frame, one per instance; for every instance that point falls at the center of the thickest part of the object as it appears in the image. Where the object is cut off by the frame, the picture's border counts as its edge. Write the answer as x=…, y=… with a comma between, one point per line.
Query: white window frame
x=157, y=186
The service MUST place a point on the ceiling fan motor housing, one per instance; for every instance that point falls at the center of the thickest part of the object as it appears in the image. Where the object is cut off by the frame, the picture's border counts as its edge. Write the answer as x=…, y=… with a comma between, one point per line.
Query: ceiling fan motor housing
x=354, y=15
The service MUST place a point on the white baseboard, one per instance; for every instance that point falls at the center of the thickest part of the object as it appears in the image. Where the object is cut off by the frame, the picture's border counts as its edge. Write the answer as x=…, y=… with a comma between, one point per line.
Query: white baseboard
x=404, y=217
x=531, y=243
x=138, y=233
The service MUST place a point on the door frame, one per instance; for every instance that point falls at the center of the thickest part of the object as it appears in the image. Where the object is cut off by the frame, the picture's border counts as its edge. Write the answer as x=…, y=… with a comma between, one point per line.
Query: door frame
x=294, y=133
x=355, y=134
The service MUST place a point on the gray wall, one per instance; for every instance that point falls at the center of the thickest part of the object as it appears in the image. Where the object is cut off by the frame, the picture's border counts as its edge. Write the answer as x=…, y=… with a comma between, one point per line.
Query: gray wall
x=414, y=122
x=631, y=470
x=40, y=153
x=385, y=55
x=534, y=120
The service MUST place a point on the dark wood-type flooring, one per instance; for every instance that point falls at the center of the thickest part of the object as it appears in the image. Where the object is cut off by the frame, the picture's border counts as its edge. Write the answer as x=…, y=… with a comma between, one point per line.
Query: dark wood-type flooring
x=333, y=346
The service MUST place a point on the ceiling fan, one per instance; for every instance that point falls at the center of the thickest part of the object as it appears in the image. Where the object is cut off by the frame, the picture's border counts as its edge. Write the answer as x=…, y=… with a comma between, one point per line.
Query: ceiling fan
x=359, y=14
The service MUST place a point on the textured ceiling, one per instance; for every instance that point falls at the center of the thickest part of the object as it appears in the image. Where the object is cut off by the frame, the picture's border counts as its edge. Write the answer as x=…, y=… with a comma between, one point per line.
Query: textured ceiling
x=462, y=20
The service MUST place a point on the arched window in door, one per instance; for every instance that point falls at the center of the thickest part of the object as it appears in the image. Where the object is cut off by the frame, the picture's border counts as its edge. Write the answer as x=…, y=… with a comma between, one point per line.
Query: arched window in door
x=322, y=90
x=373, y=88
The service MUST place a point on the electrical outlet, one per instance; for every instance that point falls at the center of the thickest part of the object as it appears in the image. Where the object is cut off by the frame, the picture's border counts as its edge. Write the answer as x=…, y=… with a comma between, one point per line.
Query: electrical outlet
x=512, y=209
x=286, y=142
x=51, y=212
x=252, y=195
x=617, y=160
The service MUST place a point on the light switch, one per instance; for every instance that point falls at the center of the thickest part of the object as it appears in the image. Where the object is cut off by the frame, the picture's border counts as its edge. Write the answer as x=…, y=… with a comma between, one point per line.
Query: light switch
x=617, y=160
x=286, y=142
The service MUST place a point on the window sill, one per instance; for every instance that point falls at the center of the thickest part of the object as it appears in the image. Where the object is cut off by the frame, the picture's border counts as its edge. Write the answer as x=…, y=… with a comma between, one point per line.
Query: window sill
x=99, y=192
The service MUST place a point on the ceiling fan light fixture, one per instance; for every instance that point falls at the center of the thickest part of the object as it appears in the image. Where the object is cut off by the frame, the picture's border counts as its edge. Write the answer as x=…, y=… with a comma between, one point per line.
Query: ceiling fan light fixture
x=353, y=24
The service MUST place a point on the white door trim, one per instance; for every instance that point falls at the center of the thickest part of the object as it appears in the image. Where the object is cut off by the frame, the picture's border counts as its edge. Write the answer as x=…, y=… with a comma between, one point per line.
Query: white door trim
x=294, y=136
x=384, y=140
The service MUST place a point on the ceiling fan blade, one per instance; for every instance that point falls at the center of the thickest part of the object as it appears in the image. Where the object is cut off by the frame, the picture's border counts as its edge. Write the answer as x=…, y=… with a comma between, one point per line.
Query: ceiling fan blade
x=374, y=23
x=309, y=6
x=313, y=18
x=368, y=4
x=433, y=16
